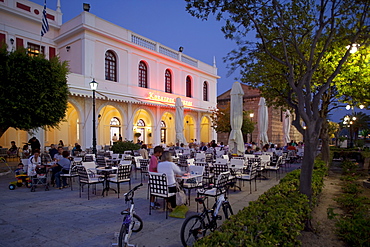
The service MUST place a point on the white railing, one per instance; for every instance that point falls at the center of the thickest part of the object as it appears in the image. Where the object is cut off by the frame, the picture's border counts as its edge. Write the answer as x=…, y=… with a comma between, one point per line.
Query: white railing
x=188, y=60
x=163, y=50
x=168, y=52
x=143, y=42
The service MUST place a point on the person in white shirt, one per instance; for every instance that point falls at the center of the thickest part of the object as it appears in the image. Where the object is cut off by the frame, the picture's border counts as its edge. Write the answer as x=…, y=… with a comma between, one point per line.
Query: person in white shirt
x=172, y=171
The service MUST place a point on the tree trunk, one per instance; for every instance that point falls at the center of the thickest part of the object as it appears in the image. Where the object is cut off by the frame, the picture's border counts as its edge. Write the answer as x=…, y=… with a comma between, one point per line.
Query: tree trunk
x=310, y=149
x=325, y=150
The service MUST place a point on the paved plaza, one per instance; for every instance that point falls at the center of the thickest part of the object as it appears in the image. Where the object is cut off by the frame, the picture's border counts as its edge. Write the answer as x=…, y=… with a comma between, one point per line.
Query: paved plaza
x=61, y=218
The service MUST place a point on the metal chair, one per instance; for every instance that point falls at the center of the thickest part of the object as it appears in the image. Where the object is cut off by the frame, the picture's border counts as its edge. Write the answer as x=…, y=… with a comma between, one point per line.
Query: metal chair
x=123, y=175
x=158, y=188
x=84, y=178
x=144, y=167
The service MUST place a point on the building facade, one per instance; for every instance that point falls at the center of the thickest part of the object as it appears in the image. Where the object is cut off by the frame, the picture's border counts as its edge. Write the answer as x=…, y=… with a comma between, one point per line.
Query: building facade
x=251, y=100
x=139, y=79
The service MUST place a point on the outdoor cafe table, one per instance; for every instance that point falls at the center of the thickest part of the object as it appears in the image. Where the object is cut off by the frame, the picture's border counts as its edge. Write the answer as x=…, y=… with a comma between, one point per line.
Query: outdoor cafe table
x=106, y=172
x=190, y=178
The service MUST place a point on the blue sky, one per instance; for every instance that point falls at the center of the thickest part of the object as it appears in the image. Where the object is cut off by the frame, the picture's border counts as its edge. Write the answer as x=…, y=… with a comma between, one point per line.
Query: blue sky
x=167, y=22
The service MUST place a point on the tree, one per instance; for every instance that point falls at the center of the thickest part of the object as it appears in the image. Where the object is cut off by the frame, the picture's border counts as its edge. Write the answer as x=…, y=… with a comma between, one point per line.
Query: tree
x=221, y=121
x=33, y=91
x=297, y=36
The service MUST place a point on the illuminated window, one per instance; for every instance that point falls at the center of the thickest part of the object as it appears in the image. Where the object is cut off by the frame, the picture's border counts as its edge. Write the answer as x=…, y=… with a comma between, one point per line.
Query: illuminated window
x=114, y=121
x=168, y=81
x=110, y=66
x=34, y=50
x=205, y=91
x=188, y=86
x=143, y=75
x=140, y=123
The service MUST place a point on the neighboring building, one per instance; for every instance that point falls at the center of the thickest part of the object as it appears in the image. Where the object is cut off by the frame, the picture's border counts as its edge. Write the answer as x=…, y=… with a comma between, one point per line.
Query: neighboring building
x=139, y=79
x=275, y=122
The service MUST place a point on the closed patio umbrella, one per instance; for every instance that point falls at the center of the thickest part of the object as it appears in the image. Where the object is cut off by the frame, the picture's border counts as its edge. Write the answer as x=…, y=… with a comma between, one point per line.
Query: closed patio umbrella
x=236, y=142
x=179, y=122
x=263, y=120
x=286, y=126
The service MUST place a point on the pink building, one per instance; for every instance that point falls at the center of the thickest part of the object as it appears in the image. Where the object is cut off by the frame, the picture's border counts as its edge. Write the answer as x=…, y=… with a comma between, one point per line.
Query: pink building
x=139, y=79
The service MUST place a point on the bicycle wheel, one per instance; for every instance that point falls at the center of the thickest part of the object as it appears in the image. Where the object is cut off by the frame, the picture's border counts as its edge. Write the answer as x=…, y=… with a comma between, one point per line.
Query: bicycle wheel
x=227, y=210
x=192, y=229
x=138, y=223
x=122, y=234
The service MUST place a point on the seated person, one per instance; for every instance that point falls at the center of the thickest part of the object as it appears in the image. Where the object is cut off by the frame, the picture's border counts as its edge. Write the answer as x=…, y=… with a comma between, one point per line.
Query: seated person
x=172, y=171
x=25, y=152
x=144, y=152
x=35, y=165
x=258, y=151
x=13, y=149
x=20, y=173
x=249, y=150
x=76, y=149
x=65, y=165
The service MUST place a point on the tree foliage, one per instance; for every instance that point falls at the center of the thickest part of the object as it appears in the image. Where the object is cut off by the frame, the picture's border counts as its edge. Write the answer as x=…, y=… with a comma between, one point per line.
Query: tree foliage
x=221, y=121
x=33, y=91
x=292, y=42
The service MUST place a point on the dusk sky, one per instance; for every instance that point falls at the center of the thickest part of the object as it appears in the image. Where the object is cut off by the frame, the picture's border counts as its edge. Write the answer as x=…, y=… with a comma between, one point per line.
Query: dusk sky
x=167, y=22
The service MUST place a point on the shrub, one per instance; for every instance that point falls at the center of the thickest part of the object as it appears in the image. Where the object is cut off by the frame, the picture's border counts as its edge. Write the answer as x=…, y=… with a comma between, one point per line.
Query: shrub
x=353, y=227
x=121, y=147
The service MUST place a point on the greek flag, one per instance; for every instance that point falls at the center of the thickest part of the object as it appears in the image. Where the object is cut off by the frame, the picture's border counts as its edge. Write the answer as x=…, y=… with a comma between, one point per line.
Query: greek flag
x=45, y=24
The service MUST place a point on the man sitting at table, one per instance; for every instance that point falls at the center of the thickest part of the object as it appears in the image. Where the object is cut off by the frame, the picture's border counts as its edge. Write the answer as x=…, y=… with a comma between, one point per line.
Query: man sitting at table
x=65, y=165
x=172, y=171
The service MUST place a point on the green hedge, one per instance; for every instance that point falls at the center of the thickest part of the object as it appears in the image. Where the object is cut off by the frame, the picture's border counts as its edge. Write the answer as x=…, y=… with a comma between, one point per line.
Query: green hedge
x=275, y=219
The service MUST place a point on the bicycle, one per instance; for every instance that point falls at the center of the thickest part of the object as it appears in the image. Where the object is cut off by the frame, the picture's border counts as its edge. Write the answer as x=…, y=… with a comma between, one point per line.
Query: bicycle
x=131, y=221
x=196, y=226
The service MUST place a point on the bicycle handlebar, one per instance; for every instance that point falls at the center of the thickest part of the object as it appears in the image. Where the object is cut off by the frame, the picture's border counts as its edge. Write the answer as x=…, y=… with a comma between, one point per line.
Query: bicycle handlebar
x=131, y=192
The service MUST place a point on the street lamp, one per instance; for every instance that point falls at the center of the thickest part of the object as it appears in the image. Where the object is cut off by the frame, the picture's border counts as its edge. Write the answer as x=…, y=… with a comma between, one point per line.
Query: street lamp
x=348, y=121
x=251, y=115
x=94, y=86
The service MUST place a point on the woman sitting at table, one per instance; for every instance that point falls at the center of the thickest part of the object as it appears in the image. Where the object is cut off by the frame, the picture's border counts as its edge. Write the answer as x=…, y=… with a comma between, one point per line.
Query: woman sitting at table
x=172, y=171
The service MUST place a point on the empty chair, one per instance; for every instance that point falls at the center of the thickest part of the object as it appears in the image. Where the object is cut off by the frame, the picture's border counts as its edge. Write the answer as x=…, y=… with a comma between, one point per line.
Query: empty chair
x=249, y=173
x=218, y=188
x=89, y=157
x=115, y=156
x=158, y=188
x=265, y=160
x=84, y=178
x=190, y=161
x=221, y=161
x=200, y=157
x=220, y=153
x=226, y=157
x=144, y=167
x=275, y=167
x=123, y=175
x=90, y=167
x=207, y=175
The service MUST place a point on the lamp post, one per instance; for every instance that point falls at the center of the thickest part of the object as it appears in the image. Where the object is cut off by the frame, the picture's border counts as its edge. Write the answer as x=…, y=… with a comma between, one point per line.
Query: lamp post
x=349, y=122
x=251, y=115
x=94, y=86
